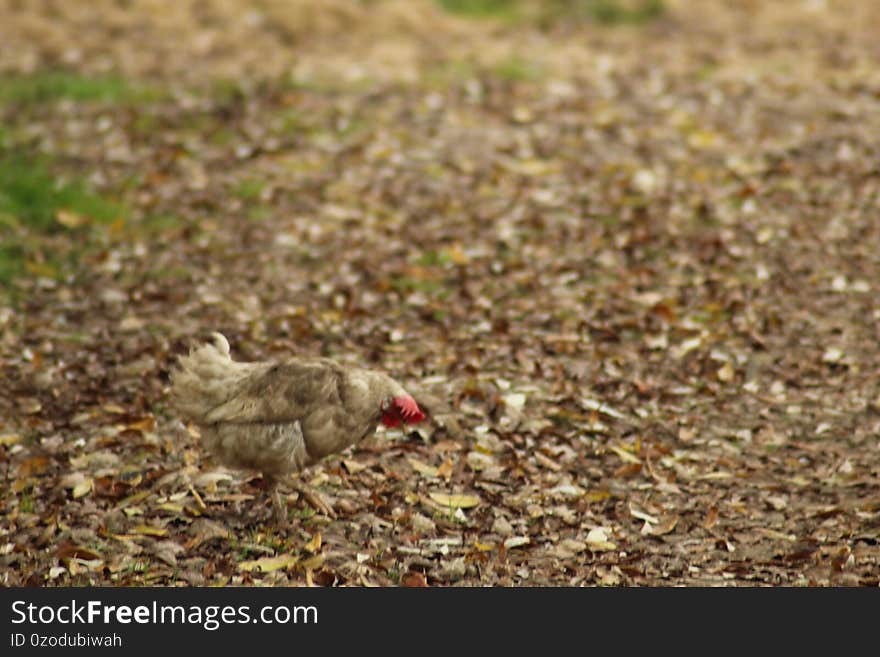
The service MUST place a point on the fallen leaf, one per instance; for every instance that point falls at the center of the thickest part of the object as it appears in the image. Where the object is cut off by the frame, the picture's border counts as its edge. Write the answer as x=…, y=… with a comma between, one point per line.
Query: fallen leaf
x=641, y=515
x=70, y=219
x=269, y=564
x=725, y=373
x=597, y=540
x=353, y=466
x=455, y=501
x=167, y=551
x=36, y=465
x=147, y=423
x=625, y=455
x=68, y=550
x=516, y=541
x=314, y=543
x=423, y=468
x=414, y=580
x=711, y=518
x=514, y=401
x=313, y=563
x=569, y=547
x=83, y=488
x=663, y=527
x=445, y=469
x=148, y=530
x=597, y=495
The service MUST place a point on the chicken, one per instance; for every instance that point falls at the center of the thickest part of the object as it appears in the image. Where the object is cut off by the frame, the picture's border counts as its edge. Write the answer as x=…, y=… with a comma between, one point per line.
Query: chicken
x=277, y=418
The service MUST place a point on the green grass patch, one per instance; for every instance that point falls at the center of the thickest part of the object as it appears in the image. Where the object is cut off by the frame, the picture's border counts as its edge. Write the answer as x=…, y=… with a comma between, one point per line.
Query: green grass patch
x=607, y=12
x=36, y=205
x=507, y=9
x=518, y=69
x=31, y=197
x=249, y=189
x=51, y=86
x=543, y=12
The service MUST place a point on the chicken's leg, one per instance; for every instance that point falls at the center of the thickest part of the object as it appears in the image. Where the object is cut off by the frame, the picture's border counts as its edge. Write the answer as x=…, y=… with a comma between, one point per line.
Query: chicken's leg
x=278, y=506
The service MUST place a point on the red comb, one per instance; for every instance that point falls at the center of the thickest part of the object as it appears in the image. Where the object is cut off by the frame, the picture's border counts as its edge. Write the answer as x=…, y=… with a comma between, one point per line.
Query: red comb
x=409, y=409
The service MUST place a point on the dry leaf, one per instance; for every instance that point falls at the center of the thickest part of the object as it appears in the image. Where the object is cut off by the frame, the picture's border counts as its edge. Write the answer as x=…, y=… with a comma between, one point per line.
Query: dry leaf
x=353, y=466
x=625, y=455
x=269, y=564
x=70, y=219
x=423, y=468
x=597, y=540
x=711, y=518
x=83, y=488
x=414, y=580
x=445, y=469
x=314, y=543
x=455, y=501
x=313, y=563
x=725, y=373
x=516, y=541
x=663, y=527
x=148, y=530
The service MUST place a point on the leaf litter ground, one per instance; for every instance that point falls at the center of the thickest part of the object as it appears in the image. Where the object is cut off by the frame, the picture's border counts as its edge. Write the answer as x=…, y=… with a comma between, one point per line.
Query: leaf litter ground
x=634, y=271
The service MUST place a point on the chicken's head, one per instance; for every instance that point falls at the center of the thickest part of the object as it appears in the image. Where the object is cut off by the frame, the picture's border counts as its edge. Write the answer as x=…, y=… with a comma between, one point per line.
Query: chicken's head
x=399, y=410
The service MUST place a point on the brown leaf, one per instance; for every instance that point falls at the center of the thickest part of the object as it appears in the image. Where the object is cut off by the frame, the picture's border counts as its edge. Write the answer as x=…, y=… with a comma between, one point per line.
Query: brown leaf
x=147, y=423
x=664, y=526
x=414, y=579
x=711, y=518
x=71, y=550
x=628, y=470
x=36, y=465
x=111, y=487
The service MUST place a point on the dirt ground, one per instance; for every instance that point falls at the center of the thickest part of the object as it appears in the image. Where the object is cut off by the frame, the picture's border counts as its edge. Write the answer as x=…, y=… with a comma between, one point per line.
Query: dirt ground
x=636, y=267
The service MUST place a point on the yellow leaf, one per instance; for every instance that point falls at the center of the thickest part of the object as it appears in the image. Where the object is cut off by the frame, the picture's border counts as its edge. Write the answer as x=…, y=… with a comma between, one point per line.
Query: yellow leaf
x=147, y=530
x=623, y=454
x=423, y=468
x=314, y=544
x=725, y=373
x=83, y=488
x=457, y=255
x=456, y=501
x=484, y=547
x=70, y=219
x=445, y=469
x=313, y=563
x=133, y=499
x=597, y=495
x=171, y=507
x=10, y=439
x=268, y=564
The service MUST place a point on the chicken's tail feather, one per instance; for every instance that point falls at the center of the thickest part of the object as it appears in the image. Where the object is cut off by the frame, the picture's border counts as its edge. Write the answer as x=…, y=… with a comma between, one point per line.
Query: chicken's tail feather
x=206, y=378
